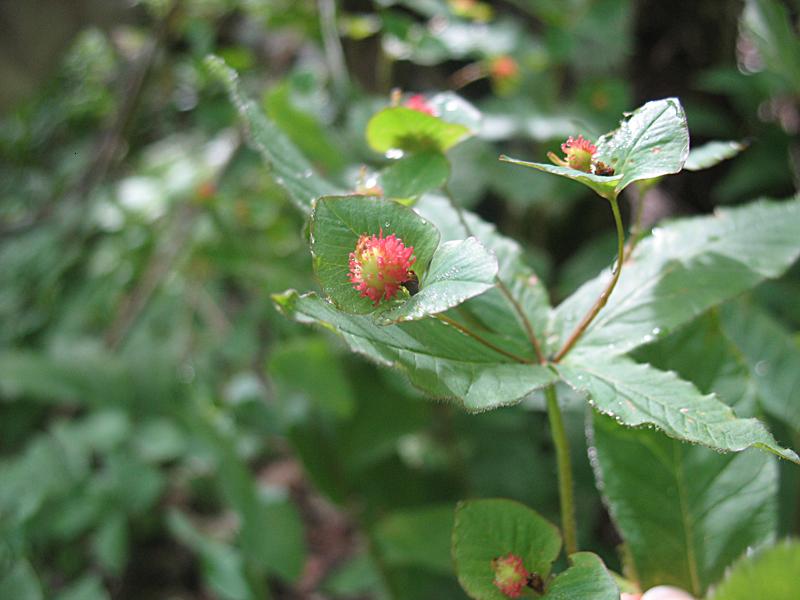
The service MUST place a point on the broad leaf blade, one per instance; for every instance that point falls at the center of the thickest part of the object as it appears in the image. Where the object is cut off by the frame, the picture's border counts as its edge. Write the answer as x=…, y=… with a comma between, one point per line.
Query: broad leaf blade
x=683, y=269
x=770, y=574
x=685, y=512
x=587, y=579
x=652, y=141
x=415, y=174
x=437, y=358
x=337, y=222
x=492, y=310
x=640, y=395
x=488, y=529
x=602, y=185
x=292, y=170
x=712, y=153
x=458, y=271
x=406, y=130
x=772, y=356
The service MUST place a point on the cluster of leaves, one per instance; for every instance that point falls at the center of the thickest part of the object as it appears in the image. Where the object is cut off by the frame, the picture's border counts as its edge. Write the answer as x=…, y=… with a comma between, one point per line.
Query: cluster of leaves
x=152, y=399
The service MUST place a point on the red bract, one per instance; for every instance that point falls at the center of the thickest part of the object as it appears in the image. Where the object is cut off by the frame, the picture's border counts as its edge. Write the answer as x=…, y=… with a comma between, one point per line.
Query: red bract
x=380, y=265
x=510, y=575
x=419, y=103
x=579, y=153
x=504, y=67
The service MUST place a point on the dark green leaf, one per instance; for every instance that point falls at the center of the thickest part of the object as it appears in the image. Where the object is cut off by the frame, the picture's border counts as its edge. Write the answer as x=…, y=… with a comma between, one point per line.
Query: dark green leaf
x=415, y=174
x=602, y=185
x=20, y=582
x=488, y=529
x=685, y=512
x=772, y=356
x=637, y=395
x=419, y=537
x=336, y=225
x=437, y=358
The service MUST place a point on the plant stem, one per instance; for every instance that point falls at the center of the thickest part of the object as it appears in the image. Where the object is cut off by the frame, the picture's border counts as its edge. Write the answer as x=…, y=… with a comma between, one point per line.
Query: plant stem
x=483, y=341
x=565, y=488
x=604, y=296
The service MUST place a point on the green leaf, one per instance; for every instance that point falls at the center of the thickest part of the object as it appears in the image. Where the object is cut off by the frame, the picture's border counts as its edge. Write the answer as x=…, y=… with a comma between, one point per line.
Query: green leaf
x=20, y=582
x=418, y=537
x=437, y=358
x=712, y=153
x=415, y=174
x=772, y=356
x=602, y=185
x=401, y=129
x=488, y=529
x=587, y=579
x=769, y=574
x=87, y=588
x=337, y=222
x=652, y=141
x=681, y=270
x=637, y=395
x=291, y=169
x=458, y=271
x=685, y=512
x=492, y=310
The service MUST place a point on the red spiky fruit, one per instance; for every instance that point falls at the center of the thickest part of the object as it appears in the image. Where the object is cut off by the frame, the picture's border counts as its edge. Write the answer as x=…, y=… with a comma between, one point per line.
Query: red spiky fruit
x=510, y=575
x=380, y=265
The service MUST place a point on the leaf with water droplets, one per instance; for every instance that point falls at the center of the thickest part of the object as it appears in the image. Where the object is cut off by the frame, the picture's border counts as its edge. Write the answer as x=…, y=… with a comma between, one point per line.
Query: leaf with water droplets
x=640, y=395
x=681, y=270
x=439, y=359
x=458, y=271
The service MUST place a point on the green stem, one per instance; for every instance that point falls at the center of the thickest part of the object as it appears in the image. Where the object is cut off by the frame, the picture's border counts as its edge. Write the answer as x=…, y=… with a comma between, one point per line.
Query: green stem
x=565, y=488
x=604, y=296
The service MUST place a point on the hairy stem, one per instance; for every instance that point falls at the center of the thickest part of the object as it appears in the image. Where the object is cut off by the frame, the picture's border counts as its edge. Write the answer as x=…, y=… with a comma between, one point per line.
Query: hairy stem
x=604, y=296
x=565, y=488
x=482, y=340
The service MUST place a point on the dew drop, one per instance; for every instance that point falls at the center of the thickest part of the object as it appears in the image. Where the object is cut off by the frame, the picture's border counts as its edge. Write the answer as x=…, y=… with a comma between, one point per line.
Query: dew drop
x=762, y=368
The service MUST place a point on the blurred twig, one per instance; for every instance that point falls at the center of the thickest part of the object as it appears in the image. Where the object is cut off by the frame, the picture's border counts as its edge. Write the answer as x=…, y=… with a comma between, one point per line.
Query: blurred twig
x=333, y=47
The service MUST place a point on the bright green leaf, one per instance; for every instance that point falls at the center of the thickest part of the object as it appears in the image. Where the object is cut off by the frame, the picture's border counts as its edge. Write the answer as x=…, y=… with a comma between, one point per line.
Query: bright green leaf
x=587, y=578
x=401, y=129
x=637, y=395
x=488, y=529
x=681, y=270
x=770, y=574
x=415, y=174
x=336, y=225
x=712, y=153
x=458, y=271
x=439, y=359
x=652, y=141
x=292, y=170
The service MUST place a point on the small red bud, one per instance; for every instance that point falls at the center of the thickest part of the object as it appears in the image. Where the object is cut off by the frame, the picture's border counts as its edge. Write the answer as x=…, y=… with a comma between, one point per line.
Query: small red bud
x=419, y=103
x=510, y=575
x=579, y=153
